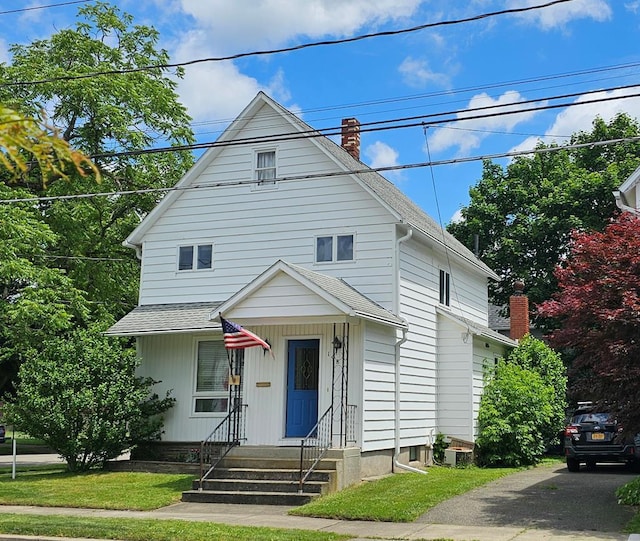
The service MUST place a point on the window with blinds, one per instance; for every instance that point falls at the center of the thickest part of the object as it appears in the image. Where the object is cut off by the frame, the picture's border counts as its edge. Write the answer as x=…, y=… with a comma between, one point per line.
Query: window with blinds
x=212, y=378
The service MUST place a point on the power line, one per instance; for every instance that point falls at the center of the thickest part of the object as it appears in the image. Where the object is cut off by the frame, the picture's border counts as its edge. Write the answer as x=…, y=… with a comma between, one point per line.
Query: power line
x=288, y=49
x=43, y=7
x=392, y=124
x=452, y=161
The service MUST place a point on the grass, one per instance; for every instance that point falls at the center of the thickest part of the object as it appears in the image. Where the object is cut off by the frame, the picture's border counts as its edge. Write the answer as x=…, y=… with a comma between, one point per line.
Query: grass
x=95, y=490
x=126, y=529
x=400, y=498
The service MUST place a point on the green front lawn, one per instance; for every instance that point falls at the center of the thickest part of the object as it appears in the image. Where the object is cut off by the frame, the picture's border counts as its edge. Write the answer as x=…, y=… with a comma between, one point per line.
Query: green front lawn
x=128, y=529
x=400, y=498
x=97, y=490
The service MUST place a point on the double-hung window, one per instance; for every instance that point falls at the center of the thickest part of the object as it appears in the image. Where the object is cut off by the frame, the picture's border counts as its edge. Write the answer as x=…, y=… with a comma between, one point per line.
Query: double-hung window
x=334, y=248
x=195, y=257
x=265, y=171
x=212, y=378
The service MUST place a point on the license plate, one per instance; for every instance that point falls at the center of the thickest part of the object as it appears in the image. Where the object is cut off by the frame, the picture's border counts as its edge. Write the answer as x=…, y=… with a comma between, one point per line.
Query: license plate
x=597, y=436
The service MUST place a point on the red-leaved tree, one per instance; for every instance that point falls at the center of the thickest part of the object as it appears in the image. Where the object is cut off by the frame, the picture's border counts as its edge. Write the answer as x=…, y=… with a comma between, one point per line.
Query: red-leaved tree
x=598, y=310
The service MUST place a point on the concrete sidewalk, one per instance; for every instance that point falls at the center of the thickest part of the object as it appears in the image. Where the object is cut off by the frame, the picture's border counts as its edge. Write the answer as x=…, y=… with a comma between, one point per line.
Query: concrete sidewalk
x=277, y=517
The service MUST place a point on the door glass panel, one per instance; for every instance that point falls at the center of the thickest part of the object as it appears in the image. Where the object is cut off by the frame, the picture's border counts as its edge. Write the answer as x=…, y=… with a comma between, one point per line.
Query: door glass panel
x=306, y=369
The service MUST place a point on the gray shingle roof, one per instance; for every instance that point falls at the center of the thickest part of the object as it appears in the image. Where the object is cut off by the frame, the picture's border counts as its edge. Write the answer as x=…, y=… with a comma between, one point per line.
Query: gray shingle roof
x=166, y=318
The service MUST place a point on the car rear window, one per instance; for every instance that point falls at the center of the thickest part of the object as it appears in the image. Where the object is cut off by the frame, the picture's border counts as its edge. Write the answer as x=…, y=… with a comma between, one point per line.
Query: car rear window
x=592, y=418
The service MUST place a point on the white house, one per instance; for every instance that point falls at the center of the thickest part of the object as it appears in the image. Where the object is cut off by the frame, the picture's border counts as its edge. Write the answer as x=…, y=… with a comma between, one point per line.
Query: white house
x=628, y=195
x=374, y=313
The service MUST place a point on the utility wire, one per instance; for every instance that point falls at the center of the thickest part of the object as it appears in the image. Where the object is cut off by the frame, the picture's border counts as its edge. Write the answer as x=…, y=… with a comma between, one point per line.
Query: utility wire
x=512, y=154
x=392, y=124
x=43, y=7
x=288, y=49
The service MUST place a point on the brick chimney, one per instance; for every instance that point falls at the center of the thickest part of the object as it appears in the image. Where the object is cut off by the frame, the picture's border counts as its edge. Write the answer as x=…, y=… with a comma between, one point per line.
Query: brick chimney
x=351, y=136
x=518, y=312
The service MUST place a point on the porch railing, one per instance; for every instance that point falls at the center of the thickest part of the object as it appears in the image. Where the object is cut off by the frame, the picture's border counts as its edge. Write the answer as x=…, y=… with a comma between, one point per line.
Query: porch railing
x=224, y=437
x=314, y=446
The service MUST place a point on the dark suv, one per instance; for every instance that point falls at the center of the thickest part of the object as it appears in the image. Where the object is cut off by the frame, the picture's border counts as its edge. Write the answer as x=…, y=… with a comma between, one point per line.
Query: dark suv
x=595, y=436
x=2, y=434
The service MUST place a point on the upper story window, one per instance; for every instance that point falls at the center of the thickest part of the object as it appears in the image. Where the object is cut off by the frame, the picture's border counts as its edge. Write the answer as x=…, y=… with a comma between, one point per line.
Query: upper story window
x=265, y=166
x=445, y=288
x=195, y=257
x=334, y=248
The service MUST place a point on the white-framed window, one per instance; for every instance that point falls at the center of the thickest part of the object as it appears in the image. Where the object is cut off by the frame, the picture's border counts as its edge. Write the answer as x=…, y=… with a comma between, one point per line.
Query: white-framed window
x=211, y=386
x=265, y=166
x=330, y=248
x=445, y=288
x=195, y=257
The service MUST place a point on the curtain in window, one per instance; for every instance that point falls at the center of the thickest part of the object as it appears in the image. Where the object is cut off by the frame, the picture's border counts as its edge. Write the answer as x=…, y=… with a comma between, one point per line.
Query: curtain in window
x=213, y=367
x=266, y=166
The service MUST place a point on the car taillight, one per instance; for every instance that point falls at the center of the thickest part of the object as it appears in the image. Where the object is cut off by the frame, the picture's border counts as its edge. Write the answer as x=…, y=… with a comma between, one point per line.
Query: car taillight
x=569, y=430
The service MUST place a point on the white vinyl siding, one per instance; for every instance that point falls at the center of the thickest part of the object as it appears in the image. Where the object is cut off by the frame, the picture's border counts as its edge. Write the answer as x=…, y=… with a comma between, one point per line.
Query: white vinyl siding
x=253, y=229
x=170, y=359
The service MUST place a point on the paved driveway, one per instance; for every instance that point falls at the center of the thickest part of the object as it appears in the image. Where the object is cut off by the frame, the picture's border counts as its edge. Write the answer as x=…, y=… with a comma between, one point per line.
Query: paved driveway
x=547, y=497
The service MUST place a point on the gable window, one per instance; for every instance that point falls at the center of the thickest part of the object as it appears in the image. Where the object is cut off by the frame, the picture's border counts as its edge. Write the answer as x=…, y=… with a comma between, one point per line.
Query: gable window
x=334, y=248
x=197, y=257
x=445, y=288
x=266, y=166
x=212, y=378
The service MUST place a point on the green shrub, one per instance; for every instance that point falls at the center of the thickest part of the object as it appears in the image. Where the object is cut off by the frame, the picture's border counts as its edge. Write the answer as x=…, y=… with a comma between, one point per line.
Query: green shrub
x=629, y=494
x=514, y=411
x=80, y=395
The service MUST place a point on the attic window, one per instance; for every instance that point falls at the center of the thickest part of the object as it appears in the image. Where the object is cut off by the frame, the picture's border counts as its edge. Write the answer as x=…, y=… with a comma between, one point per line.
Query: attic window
x=265, y=171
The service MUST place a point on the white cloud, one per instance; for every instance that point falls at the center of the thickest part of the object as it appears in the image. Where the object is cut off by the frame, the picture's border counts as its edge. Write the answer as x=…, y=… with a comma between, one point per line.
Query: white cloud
x=561, y=14
x=380, y=154
x=220, y=27
x=247, y=24
x=416, y=73
x=469, y=134
x=580, y=118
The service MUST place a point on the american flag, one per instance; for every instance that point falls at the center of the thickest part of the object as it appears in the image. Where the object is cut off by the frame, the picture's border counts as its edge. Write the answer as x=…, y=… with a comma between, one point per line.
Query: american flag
x=236, y=337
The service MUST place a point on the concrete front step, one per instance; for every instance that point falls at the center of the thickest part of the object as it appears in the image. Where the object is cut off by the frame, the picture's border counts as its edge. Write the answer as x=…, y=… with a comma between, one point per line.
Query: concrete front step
x=269, y=474
x=259, y=485
x=280, y=463
x=250, y=498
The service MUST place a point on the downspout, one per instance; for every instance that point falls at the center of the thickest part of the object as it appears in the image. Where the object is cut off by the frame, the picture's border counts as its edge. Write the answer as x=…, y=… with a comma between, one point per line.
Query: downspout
x=396, y=454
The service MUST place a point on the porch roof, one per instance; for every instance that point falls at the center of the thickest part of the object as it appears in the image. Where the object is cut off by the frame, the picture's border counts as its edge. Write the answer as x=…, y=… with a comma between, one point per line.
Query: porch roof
x=166, y=319
x=479, y=330
x=334, y=291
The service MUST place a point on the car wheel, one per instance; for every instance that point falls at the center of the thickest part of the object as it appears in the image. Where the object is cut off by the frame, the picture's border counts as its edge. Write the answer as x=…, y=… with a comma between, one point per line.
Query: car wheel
x=573, y=465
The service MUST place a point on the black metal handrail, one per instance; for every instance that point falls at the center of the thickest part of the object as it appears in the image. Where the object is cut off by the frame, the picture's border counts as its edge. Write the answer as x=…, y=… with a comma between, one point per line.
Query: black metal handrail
x=315, y=445
x=222, y=439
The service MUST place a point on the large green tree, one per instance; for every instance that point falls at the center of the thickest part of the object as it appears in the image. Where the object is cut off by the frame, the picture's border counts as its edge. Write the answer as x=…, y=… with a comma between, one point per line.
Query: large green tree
x=63, y=263
x=125, y=111
x=523, y=214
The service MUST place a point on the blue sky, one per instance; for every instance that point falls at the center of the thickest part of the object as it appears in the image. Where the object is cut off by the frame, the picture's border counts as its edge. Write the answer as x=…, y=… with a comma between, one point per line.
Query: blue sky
x=577, y=46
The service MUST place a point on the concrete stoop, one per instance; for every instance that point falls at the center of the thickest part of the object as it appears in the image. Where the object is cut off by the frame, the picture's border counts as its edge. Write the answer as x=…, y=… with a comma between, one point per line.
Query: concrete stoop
x=267, y=476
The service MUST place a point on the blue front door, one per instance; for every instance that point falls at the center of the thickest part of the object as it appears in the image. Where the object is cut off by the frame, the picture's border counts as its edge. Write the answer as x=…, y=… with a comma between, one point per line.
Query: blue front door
x=302, y=387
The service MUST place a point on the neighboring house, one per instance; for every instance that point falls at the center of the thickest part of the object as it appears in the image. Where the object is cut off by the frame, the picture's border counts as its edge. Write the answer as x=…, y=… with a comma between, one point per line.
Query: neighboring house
x=374, y=313
x=628, y=195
